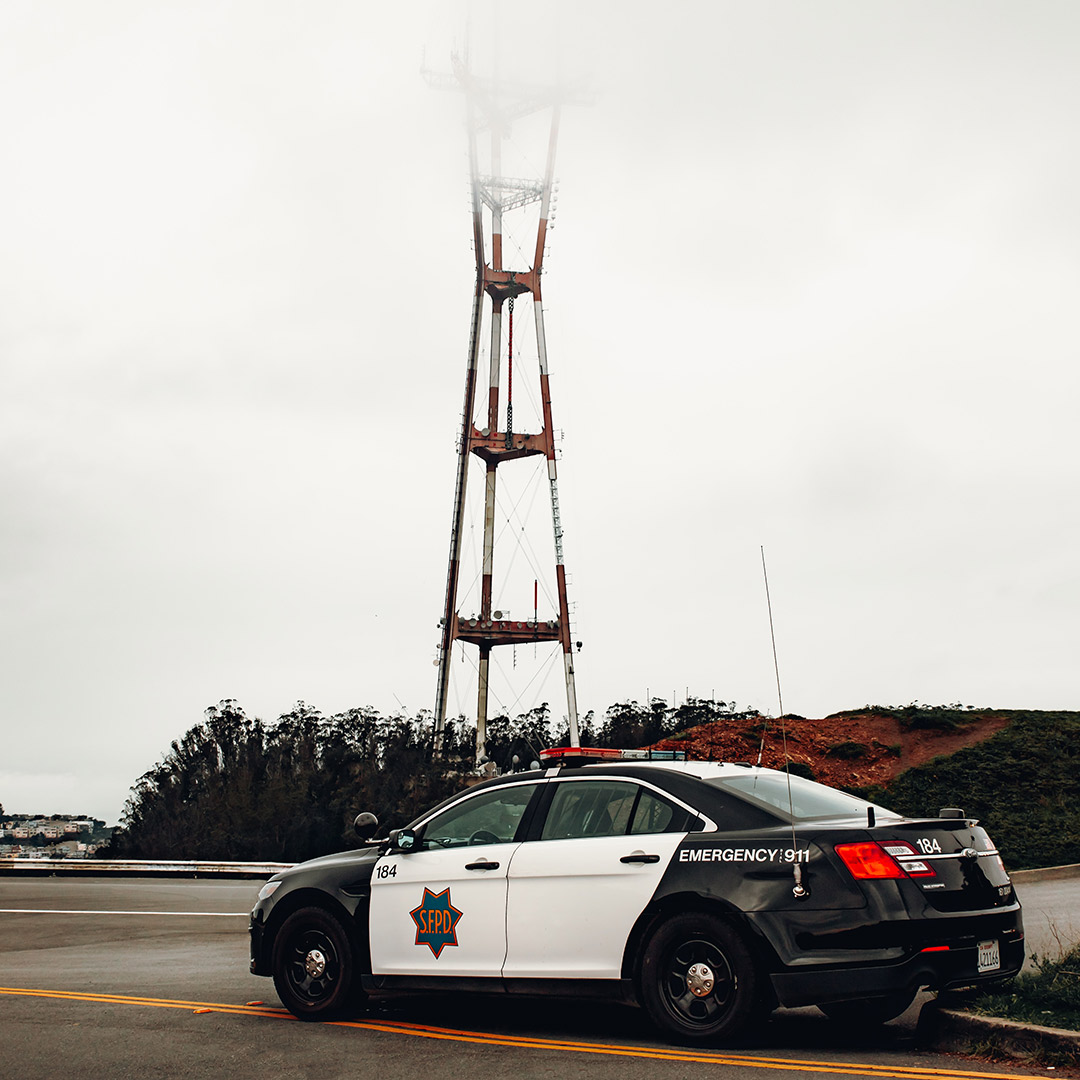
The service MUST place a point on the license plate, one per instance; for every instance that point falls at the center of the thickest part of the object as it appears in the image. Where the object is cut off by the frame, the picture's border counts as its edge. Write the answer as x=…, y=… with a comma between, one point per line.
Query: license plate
x=989, y=956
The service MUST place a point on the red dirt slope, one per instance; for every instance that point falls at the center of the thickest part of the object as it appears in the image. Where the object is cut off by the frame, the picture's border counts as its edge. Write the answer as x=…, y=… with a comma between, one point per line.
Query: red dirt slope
x=889, y=747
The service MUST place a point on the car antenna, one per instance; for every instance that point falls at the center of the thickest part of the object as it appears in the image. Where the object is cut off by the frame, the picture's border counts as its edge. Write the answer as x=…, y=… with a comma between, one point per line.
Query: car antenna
x=800, y=891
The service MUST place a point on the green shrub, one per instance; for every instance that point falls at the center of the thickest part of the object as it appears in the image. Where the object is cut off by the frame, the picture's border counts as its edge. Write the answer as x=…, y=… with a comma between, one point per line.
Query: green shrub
x=847, y=751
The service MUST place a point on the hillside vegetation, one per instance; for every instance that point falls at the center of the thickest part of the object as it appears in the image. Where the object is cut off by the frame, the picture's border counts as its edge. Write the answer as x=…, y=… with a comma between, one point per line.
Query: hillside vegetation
x=1023, y=783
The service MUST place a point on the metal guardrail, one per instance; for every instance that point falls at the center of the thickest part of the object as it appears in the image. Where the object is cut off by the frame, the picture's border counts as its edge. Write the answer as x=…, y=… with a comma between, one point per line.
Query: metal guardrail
x=195, y=868
x=140, y=867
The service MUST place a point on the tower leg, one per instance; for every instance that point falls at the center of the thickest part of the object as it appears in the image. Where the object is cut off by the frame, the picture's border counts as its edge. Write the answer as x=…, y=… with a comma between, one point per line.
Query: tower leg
x=556, y=521
x=452, y=572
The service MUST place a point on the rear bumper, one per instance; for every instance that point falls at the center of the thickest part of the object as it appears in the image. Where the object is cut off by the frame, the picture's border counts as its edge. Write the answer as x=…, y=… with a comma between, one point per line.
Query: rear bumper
x=938, y=968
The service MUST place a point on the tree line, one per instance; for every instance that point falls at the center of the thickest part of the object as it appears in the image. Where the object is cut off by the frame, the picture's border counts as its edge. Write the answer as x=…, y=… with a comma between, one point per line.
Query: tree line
x=235, y=787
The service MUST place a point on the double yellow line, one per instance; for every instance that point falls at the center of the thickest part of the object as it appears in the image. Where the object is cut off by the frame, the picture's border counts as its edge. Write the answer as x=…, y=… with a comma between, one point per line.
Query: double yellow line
x=428, y=1031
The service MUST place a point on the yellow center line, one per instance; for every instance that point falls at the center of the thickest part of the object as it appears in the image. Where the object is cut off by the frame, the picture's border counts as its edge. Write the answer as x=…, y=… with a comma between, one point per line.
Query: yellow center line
x=913, y=1072
x=427, y=1031
x=158, y=1003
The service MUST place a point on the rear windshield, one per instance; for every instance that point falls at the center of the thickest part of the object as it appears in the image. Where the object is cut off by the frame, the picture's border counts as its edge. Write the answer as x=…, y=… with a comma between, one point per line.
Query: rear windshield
x=807, y=799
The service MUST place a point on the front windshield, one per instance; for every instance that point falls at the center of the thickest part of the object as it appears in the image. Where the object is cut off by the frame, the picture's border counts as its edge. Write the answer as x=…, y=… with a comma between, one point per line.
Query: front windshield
x=807, y=799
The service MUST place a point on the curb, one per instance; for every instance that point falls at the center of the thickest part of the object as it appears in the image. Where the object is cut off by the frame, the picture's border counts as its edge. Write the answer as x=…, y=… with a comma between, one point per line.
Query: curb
x=1048, y=873
x=960, y=1032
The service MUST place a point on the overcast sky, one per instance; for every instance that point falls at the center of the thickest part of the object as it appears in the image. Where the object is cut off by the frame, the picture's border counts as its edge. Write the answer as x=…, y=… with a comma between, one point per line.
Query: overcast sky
x=812, y=287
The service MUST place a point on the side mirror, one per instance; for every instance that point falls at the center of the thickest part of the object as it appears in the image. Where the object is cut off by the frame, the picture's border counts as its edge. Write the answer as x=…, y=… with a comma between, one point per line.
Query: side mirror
x=365, y=825
x=403, y=840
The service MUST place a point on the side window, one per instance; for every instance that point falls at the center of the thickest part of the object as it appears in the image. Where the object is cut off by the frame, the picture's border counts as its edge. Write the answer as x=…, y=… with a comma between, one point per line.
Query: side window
x=736, y=815
x=581, y=808
x=655, y=815
x=490, y=817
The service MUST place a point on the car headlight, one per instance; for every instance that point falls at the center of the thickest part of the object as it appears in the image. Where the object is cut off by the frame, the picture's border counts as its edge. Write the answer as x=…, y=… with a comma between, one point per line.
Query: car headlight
x=268, y=890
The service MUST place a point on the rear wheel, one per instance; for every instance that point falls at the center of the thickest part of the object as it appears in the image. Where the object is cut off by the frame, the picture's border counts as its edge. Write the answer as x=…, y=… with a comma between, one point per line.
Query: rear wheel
x=699, y=982
x=874, y=1010
x=314, y=965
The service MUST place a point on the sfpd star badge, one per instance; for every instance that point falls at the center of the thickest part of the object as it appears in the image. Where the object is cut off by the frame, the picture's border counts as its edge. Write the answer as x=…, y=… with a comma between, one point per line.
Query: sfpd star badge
x=436, y=921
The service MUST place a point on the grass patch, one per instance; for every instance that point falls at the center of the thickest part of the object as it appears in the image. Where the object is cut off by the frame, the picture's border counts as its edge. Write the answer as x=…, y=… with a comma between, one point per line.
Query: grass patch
x=1049, y=995
x=990, y=1050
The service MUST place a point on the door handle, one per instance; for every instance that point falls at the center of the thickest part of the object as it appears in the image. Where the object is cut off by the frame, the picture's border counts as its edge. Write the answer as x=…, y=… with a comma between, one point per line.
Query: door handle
x=640, y=858
x=482, y=864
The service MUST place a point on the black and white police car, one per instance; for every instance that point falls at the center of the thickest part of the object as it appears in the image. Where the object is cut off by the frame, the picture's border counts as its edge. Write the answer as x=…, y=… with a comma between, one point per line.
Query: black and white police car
x=707, y=893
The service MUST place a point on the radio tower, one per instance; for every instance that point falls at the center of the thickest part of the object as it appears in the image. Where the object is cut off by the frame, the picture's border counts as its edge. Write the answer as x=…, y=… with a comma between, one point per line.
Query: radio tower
x=493, y=107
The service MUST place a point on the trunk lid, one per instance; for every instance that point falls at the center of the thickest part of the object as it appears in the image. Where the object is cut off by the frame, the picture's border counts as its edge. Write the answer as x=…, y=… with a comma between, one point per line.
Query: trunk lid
x=952, y=860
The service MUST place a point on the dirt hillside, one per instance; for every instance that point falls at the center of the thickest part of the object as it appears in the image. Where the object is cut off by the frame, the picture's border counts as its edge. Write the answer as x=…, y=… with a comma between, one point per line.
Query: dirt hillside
x=849, y=749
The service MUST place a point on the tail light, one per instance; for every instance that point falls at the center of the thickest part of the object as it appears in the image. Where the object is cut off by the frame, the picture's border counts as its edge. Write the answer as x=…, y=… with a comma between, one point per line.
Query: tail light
x=910, y=860
x=895, y=859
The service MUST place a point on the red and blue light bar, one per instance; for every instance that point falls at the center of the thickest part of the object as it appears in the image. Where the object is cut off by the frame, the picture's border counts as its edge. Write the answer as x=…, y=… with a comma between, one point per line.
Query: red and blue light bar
x=588, y=755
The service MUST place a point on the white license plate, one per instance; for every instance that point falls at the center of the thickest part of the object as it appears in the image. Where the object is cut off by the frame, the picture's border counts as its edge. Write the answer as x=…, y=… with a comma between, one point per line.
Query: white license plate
x=989, y=956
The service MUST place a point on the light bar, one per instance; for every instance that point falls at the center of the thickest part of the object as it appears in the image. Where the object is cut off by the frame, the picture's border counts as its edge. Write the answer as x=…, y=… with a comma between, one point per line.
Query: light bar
x=587, y=755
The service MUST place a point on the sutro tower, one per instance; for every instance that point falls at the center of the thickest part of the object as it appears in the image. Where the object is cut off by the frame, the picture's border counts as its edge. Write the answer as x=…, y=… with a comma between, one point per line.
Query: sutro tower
x=493, y=107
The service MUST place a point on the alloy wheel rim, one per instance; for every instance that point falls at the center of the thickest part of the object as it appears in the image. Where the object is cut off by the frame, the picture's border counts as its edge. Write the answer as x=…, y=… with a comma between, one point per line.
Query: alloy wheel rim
x=698, y=985
x=313, y=966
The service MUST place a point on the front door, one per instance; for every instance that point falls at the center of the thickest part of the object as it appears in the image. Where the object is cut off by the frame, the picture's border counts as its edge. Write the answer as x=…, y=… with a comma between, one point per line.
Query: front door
x=441, y=909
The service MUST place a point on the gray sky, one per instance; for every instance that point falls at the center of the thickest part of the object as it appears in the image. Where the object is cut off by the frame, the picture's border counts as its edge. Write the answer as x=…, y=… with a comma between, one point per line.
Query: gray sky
x=809, y=288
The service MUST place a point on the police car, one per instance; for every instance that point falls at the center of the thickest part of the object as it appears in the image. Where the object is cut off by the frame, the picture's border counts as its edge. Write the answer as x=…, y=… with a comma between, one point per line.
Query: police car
x=707, y=893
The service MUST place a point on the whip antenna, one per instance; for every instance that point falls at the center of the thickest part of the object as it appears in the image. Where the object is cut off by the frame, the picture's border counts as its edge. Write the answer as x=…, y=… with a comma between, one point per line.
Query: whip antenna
x=799, y=890
x=772, y=635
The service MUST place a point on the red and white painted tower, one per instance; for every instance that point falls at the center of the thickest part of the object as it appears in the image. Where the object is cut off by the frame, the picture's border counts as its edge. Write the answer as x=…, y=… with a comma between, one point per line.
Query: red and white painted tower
x=503, y=205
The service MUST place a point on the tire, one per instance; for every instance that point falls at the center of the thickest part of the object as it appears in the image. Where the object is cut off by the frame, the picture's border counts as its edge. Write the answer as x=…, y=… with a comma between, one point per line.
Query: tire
x=314, y=964
x=866, y=1011
x=675, y=983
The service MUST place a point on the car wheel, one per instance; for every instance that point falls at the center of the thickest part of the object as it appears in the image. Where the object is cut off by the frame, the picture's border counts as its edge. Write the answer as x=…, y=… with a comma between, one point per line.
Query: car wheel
x=314, y=966
x=698, y=980
x=874, y=1010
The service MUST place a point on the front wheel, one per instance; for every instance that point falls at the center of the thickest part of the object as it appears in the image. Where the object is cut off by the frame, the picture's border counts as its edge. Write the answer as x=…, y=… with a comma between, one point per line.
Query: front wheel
x=699, y=982
x=314, y=965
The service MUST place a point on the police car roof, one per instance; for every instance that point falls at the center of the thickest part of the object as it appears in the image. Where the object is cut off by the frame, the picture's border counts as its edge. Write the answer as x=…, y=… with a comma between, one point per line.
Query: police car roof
x=703, y=770
x=591, y=757
x=689, y=770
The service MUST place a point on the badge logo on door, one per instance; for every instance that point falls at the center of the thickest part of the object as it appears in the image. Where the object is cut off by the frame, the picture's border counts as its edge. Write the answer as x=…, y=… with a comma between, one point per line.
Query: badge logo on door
x=436, y=921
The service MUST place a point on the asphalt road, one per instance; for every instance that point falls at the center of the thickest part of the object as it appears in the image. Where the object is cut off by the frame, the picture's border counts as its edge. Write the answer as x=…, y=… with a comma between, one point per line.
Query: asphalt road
x=148, y=978
x=1051, y=915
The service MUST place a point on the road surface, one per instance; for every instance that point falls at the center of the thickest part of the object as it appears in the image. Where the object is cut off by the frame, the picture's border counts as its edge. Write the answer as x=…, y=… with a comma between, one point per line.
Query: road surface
x=149, y=978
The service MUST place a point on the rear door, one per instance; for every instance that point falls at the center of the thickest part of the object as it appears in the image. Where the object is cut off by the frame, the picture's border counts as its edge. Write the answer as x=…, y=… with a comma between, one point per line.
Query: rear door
x=575, y=893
